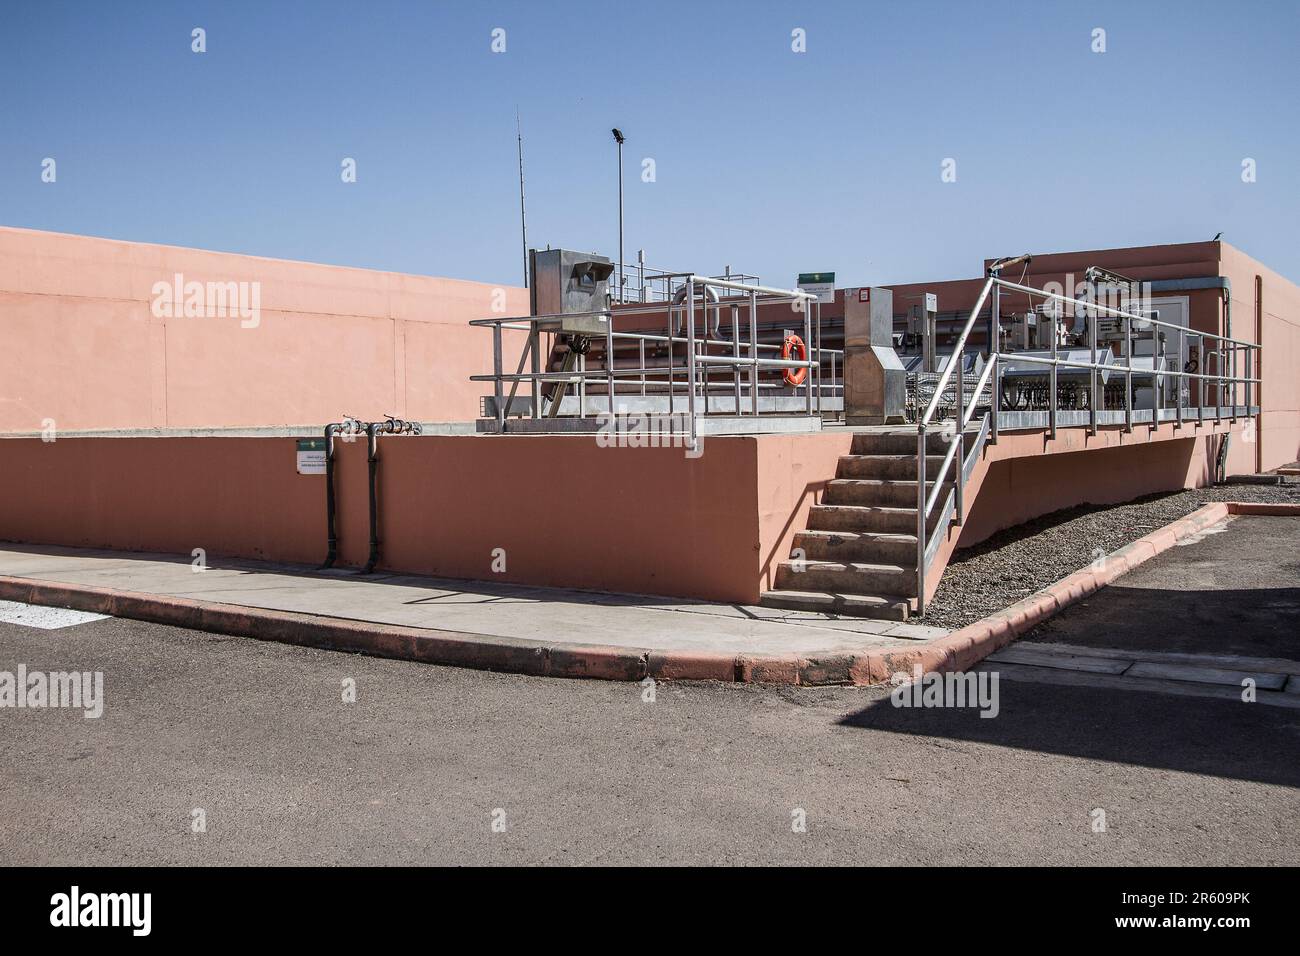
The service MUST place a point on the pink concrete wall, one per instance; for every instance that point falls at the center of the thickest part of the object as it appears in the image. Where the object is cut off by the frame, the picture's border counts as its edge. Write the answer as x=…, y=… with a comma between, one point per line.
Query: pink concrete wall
x=229, y=496
x=1266, y=309
x=330, y=340
x=566, y=511
x=793, y=471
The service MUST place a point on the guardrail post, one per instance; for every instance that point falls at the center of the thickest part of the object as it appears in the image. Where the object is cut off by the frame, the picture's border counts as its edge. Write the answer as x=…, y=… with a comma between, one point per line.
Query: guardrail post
x=690, y=354
x=1128, y=375
x=735, y=354
x=807, y=341
x=1182, y=371
x=920, y=518
x=960, y=359
x=609, y=364
x=753, y=352
x=1051, y=383
x=995, y=389
x=1092, y=359
x=818, y=307
x=496, y=374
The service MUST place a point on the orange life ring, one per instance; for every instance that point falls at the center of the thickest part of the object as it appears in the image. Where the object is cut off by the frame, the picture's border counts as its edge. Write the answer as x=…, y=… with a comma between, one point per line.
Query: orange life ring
x=794, y=376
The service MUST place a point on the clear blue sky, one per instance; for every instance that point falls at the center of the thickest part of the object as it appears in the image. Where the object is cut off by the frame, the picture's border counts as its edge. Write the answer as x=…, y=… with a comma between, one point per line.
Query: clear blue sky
x=767, y=160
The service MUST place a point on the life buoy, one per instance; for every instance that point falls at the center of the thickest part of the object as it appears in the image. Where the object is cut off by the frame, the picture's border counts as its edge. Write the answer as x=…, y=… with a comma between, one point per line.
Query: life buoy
x=794, y=376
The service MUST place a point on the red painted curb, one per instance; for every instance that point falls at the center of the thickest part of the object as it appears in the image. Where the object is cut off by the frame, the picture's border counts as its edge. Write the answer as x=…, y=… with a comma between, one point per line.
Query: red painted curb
x=956, y=651
x=1262, y=508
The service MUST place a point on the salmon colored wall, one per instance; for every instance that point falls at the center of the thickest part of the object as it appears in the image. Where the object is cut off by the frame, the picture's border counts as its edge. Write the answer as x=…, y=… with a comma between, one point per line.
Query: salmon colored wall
x=1279, y=429
x=331, y=340
x=566, y=511
x=793, y=471
x=1018, y=489
x=230, y=496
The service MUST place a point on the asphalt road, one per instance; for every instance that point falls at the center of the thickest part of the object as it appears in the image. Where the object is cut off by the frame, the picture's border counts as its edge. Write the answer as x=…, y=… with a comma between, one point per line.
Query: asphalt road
x=257, y=736
x=1232, y=590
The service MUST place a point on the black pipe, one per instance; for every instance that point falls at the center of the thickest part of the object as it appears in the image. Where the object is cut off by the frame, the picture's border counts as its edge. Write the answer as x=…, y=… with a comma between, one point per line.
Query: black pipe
x=372, y=462
x=331, y=531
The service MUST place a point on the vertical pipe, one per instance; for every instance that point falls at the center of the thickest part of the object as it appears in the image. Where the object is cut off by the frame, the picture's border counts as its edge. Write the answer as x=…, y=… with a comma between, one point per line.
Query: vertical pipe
x=641, y=354
x=331, y=530
x=372, y=464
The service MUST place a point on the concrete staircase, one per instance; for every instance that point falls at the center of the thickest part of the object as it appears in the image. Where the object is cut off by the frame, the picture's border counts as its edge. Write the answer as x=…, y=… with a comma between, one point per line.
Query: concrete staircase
x=859, y=550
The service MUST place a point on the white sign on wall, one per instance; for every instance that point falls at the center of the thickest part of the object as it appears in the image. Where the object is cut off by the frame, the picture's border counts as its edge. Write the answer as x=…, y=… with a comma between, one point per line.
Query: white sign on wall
x=311, y=456
x=820, y=284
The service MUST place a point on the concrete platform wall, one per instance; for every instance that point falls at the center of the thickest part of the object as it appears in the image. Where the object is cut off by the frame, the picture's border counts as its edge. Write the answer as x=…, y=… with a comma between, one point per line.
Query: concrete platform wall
x=563, y=510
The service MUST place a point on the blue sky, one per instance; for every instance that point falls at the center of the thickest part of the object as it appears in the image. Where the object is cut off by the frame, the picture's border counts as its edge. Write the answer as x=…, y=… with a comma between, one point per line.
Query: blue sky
x=767, y=160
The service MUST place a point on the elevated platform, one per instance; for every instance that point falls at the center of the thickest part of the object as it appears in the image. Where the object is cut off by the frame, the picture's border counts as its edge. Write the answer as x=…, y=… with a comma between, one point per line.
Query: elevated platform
x=567, y=510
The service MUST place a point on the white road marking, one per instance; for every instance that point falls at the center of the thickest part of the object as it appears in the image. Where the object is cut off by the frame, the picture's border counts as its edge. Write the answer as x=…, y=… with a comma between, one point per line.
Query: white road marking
x=46, y=618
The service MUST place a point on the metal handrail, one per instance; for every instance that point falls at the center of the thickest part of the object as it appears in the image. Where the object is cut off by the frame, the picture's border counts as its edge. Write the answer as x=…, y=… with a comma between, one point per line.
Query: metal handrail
x=964, y=414
x=698, y=359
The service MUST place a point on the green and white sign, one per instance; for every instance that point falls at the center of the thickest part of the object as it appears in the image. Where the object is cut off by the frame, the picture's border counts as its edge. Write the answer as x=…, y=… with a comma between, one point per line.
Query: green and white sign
x=311, y=456
x=820, y=284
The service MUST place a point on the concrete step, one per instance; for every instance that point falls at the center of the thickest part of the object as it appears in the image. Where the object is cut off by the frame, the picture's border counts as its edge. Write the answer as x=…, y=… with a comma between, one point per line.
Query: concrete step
x=902, y=442
x=879, y=518
x=851, y=605
x=846, y=577
x=865, y=546
x=873, y=491
x=887, y=466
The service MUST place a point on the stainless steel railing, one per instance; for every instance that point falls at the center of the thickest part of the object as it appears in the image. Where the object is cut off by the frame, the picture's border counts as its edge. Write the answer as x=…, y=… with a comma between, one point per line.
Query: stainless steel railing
x=1226, y=385
x=696, y=309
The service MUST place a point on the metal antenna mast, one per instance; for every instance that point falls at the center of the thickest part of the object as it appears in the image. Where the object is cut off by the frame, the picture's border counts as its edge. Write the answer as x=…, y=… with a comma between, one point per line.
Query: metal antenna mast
x=523, y=222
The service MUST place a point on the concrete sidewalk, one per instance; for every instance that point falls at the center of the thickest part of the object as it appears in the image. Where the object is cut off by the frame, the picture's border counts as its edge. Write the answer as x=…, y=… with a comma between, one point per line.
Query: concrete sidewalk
x=471, y=610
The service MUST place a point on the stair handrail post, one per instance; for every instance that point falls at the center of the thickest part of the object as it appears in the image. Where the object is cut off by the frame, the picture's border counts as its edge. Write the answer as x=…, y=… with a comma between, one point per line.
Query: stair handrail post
x=923, y=419
x=920, y=519
x=960, y=461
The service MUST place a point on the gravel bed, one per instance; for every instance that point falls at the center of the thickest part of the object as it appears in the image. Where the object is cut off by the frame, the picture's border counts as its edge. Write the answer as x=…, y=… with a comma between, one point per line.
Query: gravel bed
x=1016, y=562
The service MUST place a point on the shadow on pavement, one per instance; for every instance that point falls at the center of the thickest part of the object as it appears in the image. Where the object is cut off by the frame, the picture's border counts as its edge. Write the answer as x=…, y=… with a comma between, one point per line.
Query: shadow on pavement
x=1186, y=734
x=1253, y=622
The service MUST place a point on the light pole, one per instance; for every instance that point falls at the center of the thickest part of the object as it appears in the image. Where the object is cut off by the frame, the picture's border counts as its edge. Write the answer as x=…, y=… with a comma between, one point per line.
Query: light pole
x=619, y=138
